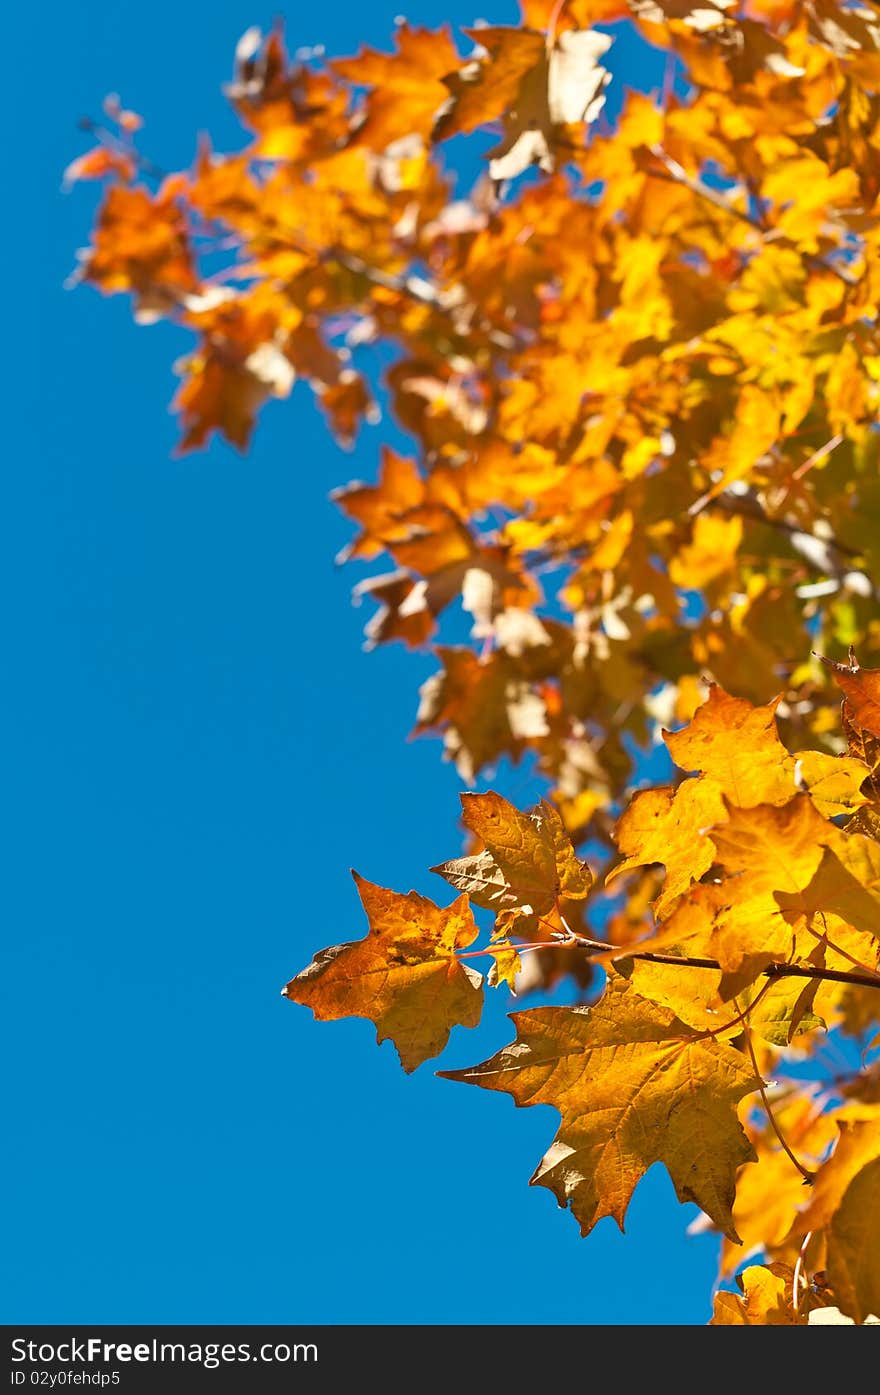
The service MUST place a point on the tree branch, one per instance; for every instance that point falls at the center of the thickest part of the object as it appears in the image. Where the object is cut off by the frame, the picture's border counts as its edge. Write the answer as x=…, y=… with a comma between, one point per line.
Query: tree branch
x=809, y=1177
x=862, y=980
x=827, y=556
x=676, y=174
x=414, y=288
x=865, y=979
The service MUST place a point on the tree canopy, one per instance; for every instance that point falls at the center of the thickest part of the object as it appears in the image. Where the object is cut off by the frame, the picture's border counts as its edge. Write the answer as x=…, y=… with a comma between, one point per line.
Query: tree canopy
x=637, y=362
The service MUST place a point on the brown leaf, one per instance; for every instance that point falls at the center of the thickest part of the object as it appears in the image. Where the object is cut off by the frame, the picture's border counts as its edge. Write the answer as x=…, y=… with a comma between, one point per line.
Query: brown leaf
x=100, y=163
x=141, y=245
x=485, y=709
x=483, y=90
x=528, y=861
x=861, y=688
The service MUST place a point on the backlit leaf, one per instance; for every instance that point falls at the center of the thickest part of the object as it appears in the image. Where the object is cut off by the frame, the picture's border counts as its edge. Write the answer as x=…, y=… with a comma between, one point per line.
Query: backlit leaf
x=634, y=1086
x=767, y=1300
x=404, y=975
x=528, y=859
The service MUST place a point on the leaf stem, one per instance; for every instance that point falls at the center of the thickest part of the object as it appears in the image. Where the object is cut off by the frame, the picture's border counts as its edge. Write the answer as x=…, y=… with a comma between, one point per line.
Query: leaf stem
x=509, y=944
x=817, y=456
x=799, y=1276
x=809, y=1177
x=555, y=16
x=741, y=1016
x=822, y=937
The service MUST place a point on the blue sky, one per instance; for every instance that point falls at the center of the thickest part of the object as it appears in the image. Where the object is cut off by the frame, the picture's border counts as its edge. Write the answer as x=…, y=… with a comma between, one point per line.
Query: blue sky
x=198, y=750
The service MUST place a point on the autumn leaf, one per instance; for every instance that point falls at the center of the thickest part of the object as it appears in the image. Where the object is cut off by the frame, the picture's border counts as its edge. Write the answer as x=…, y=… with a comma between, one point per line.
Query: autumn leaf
x=404, y=975
x=710, y=552
x=861, y=689
x=670, y=827
x=528, y=861
x=575, y=81
x=142, y=245
x=100, y=163
x=402, y=614
x=483, y=90
x=485, y=709
x=505, y=967
x=694, y=1000
x=537, y=89
x=405, y=88
x=770, y=1192
x=237, y=367
x=767, y=1300
x=737, y=746
x=845, y=1202
x=853, y=1265
x=783, y=891
x=381, y=508
x=834, y=783
x=752, y=917
x=634, y=1086
x=636, y=361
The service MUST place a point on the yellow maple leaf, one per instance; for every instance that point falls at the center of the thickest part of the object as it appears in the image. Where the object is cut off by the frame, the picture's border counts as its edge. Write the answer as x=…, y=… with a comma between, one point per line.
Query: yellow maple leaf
x=766, y=1300
x=634, y=1086
x=710, y=553
x=845, y=1203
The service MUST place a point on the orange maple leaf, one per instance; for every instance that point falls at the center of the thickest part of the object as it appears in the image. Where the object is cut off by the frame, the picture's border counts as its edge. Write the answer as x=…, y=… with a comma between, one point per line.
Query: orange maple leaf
x=404, y=975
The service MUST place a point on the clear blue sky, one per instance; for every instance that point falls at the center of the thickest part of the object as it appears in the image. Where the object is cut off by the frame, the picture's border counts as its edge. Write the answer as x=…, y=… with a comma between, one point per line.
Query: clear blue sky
x=196, y=751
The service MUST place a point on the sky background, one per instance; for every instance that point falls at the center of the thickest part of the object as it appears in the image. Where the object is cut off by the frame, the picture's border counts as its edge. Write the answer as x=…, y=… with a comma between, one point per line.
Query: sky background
x=197, y=750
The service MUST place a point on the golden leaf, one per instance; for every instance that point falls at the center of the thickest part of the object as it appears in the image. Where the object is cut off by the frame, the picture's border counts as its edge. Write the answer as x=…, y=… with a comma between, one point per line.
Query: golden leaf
x=406, y=87
x=766, y=1300
x=404, y=975
x=845, y=1202
x=634, y=1086
x=737, y=746
x=528, y=859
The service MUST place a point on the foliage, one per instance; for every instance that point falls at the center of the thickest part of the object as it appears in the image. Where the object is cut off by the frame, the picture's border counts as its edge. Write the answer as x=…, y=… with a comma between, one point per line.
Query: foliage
x=639, y=364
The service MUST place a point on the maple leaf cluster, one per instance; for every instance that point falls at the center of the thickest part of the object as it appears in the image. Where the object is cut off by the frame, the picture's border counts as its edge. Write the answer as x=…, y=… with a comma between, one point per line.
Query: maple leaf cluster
x=638, y=361
x=737, y=973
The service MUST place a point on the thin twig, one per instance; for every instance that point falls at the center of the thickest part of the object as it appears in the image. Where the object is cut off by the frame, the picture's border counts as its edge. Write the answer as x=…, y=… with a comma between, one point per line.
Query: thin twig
x=127, y=149
x=818, y=455
x=677, y=174
x=740, y=1016
x=808, y=1176
x=508, y=944
x=772, y=971
x=419, y=291
x=822, y=937
x=826, y=556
